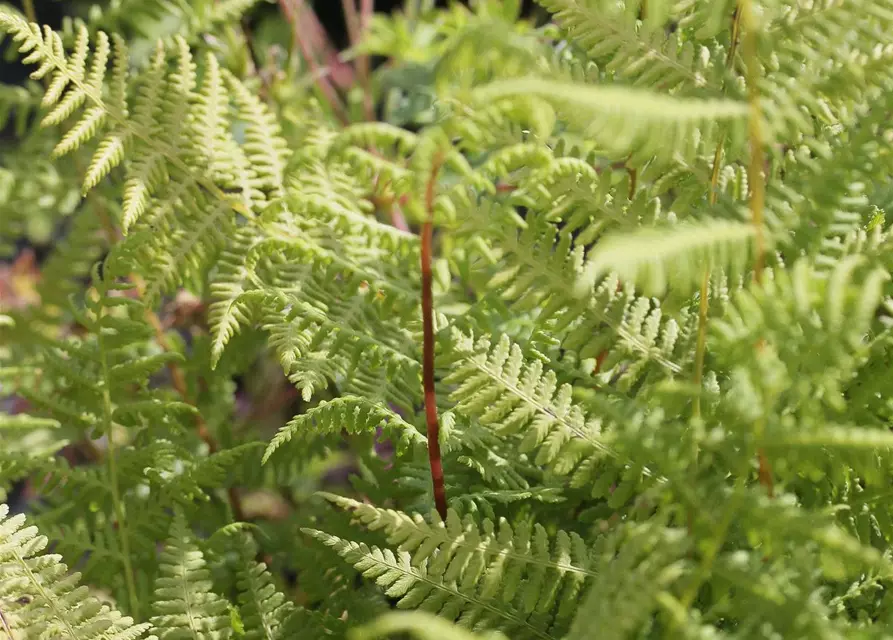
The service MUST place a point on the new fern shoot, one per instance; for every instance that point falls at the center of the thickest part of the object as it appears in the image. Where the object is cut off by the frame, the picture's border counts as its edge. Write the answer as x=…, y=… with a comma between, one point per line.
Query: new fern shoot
x=564, y=323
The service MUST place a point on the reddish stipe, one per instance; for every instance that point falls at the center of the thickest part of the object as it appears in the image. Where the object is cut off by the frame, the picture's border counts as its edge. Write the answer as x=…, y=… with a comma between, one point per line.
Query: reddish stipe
x=428, y=351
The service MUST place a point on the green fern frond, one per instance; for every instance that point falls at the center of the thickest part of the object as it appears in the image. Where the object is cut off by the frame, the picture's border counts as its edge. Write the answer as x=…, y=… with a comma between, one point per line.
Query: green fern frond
x=24, y=421
x=635, y=578
x=498, y=388
x=626, y=120
x=423, y=626
x=46, y=601
x=264, y=610
x=656, y=258
x=170, y=126
x=641, y=52
x=538, y=261
x=415, y=586
x=185, y=606
x=351, y=413
x=517, y=565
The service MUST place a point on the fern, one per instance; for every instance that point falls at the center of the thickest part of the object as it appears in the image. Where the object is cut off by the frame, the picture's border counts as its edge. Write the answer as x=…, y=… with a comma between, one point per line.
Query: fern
x=655, y=126
x=184, y=604
x=557, y=323
x=46, y=601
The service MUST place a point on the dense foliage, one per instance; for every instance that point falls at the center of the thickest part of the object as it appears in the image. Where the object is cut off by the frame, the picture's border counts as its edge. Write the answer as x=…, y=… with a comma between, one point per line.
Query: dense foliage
x=619, y=268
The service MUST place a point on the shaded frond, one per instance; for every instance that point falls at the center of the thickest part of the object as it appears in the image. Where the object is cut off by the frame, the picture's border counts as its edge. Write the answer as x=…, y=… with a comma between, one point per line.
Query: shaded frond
x=185, y=605
x=353, y=414
x=263, y=609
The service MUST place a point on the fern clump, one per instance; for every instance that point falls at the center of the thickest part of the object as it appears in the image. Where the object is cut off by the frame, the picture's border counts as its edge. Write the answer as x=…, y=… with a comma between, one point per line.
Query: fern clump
x=562, y=323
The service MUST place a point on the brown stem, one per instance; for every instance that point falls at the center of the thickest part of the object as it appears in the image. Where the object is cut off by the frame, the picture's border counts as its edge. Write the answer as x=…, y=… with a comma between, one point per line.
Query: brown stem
x=366, y=10
x=599, y=361
x=351, y=19
x=428, y=350
x=755, y=176
x=294, y=15
x=179, y=382
x=765, y=473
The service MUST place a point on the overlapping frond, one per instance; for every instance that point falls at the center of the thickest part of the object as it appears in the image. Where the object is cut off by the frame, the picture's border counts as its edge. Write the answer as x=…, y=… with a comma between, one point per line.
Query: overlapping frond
x=518, y=565
x=634, y=579
x=176, y=134
x=645, y=52
x=418, y=586
x=662, y=315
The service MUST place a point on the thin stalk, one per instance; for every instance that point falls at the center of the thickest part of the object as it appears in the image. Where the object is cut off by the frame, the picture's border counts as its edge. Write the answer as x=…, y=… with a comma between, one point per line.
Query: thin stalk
x=177, y=378
x=351, y=19
x=367, y=7
x=356, y=27
x=28, y=8
x=710, y=556
x=755, y=126
x=756, y=179
x=412, y=9
x=701, y=348
x=256, y=66
x=113, y=477
x=704, y=307
x=434, y=457
x=6, y=627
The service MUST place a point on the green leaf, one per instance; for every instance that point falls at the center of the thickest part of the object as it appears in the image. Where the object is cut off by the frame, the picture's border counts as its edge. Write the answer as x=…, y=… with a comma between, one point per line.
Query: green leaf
x=655, y=258
x=626, y=120
x=420, y=625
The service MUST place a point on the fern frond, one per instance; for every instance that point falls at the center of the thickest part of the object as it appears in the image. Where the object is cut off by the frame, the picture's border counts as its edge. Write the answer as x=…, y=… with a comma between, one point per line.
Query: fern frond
x=423, y=626
x=513, y=564
x=625, y=120
x=498, y=388
x=48, y=601
x=171, y=127
x=351, y=413
x=185, y=605
x=642, y=53
x=264, y=611
x=635, y=578
x=656, y=258
x=537, y=264
x=415, y=586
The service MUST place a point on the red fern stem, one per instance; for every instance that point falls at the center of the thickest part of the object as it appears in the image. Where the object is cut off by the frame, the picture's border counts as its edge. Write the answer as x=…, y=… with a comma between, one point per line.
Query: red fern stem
x=428, y=350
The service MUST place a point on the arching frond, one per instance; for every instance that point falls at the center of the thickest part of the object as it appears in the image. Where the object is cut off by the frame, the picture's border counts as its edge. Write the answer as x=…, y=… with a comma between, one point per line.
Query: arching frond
x=657, y=258
x=626, y=120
